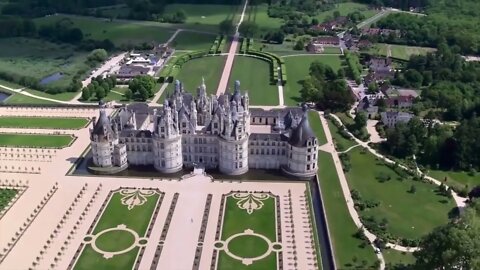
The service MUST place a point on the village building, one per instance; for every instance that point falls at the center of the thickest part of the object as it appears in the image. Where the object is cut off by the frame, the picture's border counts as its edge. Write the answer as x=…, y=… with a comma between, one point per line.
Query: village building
x=392, y=118
x=317, y=44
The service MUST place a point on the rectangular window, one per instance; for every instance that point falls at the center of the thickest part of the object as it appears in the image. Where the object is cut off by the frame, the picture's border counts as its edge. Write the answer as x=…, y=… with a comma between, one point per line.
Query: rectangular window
x=308, y=158
x=308, y=167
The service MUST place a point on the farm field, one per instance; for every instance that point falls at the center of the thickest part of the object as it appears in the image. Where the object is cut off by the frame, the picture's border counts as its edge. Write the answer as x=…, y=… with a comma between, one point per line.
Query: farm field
x=298, y=69
x=193, y=41
x=254, y=77
x=375, y=182
x=35, y=140
x=341, y=226
x=42, y=122
x=39, y=59
x=399, y=51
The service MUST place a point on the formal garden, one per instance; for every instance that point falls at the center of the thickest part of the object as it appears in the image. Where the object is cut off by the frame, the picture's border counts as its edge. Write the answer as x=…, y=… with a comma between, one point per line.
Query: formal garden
x=121, y=230
x=393, y=204
x=43, y=122
x=35, y=140
x=6, y=196
x=248, y=232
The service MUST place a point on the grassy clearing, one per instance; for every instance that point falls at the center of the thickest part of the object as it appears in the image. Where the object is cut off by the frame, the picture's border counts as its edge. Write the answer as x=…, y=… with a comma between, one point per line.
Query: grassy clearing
x=400, y=51
x=341, y=143
x=16, y=98
x=331, y=50
x=408, y=215
x=345, y=8
x=456, y=179
x=261, y=221
x=119, y=32
x=210, y=68
x=43, y=122
x=204, y=14
x=298, y=69
x=38, y=59
x=259, y=15
x=137, y=219
x=193, y=41
x=66, y=96
x=254, y=76
x=395, y=257
x=35, y=140
x=317, y=127
x=6, y=195
x=340, y=224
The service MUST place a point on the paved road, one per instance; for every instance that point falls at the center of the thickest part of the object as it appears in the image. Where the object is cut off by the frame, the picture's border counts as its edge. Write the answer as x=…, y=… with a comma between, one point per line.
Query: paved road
x=222, y=86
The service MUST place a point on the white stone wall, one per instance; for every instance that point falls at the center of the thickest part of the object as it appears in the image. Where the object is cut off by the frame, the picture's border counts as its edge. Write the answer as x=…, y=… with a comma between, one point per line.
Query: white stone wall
x=200, y=149
x=267, y=154
x=167, y=154
x=233, y=158
x=303, y=160
x=102, y=154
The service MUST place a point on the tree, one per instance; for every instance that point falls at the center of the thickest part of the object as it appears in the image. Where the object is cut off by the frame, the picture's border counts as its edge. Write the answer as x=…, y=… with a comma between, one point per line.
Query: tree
x=100, y=93
x=452, y=246
x=474, y=193
x=336, y=14
x=128, y=94
x=98, y=55
x=143, y=85
x=360, y=121
x=248, y=29
x=226, y=27
x=86, y=94
x=373, y=88
x=299, y=45
x=412, y=189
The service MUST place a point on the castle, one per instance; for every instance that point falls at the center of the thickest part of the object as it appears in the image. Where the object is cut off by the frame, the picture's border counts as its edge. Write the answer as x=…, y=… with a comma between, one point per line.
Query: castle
x=221, y=133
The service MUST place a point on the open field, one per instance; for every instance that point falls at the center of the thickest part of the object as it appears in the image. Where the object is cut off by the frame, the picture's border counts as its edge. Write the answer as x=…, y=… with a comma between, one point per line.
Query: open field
x=259, y=15
x=237, y=220
x=298, y=69
x=456, y=179
x=340, y=224
x=6, y=195
x=16, y=98
x=210, y=68
x=341, y=143
x=35, y=140
x=119, y=32
x=317, y=127
x=118, y=211
x=396, y=257
x=204, y=14
x=331, y=50
x=399, y=51
x=254, y=77
x=38, y=59
x=66, y=96
x=193, y=41
x=345, y=8
x=42, y=122
x=408, y=214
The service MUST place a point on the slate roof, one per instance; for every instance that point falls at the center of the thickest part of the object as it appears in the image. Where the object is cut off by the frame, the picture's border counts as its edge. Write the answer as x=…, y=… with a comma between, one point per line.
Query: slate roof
x=302, y=133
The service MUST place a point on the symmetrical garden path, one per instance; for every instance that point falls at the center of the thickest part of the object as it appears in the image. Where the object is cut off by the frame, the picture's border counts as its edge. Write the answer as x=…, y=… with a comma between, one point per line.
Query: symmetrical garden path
x=223, y=84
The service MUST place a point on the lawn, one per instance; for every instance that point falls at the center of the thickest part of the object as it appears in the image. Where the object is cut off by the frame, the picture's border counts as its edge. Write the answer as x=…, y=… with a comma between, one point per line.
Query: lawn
x=298, y=69
x=116, y=213
x=458, y=179
x=118, y=31
x=35, y=140
x=16, y=98
x=317, y=127
x=341, y=143
x=331, y=50
x=204, y=14
x=345, y=9
x=261, y=221
x=254, y=76
x=193, y=41
x=66, y=96
x=400, y=51
x=210, y=68
x=408, y=214
x=38, y=59
x=43, y=122
x=6, y=195
x=395, y=257
x=259, y=15
x=340, y=224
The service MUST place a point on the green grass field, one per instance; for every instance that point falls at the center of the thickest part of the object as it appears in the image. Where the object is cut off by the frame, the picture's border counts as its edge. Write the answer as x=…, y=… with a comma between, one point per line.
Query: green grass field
x=254, y=76
x=38, y=58
x=204, y=14
x=66, y=96
x=399, y=51
x=298, y=69
x=261, y=221
x=331, y=50
x=193, y=41
x=317, y=127
x=16, y=98
x=341, y=143
x=409, y=215
x=119, y=32
x=456, y=179
x=395, y=257
x=6, y=195
x=34, y=140
x=42, y=122
x=340, y=224
x=191, y=74
x=259, y=15
x=137, y=219
x=345, y=8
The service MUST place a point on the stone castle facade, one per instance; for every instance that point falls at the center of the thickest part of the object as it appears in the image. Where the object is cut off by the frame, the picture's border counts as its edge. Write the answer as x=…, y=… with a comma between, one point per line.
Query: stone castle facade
x=221, y=133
